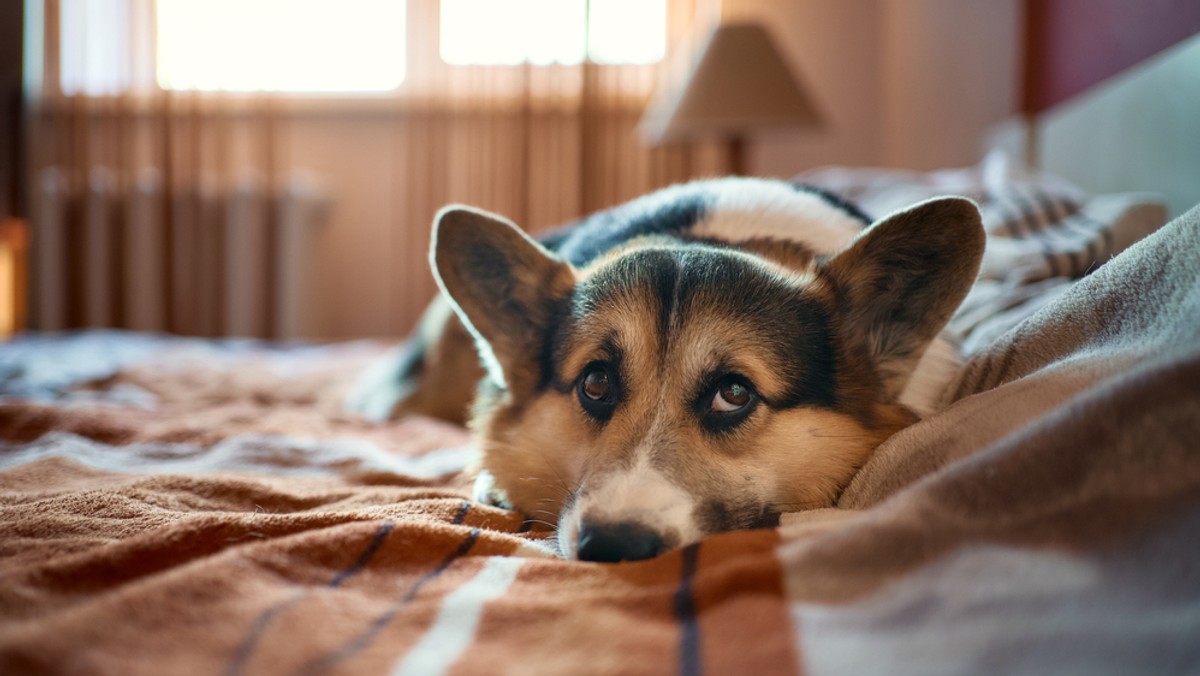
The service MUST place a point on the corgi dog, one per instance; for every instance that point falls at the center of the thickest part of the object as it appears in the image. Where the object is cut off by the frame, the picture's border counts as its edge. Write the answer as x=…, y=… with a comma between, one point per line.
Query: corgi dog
x=698, y=360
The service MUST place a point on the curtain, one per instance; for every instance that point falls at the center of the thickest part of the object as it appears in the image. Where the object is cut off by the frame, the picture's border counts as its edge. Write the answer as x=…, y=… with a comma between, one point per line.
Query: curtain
x=540, y=144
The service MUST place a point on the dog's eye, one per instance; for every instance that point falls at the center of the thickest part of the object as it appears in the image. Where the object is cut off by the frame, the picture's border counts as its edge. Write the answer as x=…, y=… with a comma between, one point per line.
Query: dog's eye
x=595, y=384
x=727, y=403
x=597, y=391
x=731, y=396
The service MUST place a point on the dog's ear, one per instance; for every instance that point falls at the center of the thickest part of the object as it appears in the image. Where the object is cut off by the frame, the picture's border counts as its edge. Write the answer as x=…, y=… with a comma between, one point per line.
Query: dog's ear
x=501, y=283
x=901, y=279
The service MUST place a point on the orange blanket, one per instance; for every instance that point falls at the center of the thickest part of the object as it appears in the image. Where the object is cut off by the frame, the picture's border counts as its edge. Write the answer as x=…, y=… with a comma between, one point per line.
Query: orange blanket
x=240, y=523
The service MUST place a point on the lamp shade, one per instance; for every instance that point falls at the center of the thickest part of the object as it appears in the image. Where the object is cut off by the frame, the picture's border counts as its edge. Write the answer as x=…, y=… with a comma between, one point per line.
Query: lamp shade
x=739, y=84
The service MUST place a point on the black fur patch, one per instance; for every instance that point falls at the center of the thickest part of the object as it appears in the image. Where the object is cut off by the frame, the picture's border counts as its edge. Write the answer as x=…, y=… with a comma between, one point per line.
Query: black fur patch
x=412, y=360
x=835, y=200
x=605, y=230
x=672, y=213
x=558, y=312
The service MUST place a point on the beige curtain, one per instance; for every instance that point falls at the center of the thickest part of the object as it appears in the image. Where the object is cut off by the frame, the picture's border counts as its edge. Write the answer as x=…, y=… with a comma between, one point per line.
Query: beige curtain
x=131, y=184
x=539, y=144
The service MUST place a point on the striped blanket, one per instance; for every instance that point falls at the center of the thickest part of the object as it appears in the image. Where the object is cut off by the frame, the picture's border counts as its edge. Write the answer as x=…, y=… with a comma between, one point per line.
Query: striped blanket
x=171, y=505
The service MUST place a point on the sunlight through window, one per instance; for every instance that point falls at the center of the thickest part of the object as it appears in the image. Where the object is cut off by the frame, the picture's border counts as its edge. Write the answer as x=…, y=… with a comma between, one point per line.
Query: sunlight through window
x=508, y=32
x=627, y=31
x=94, y=45
x=281, y=45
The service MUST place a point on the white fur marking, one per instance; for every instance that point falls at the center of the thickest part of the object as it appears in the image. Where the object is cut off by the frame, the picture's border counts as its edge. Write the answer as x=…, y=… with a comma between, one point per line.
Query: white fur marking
x=746, y=209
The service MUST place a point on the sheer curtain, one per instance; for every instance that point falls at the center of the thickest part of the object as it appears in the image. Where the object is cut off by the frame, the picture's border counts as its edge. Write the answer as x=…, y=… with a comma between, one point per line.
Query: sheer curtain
x=541, y=144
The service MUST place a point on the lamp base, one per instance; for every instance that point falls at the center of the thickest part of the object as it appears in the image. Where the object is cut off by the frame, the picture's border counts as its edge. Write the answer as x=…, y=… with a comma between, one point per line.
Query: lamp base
x=737, y=155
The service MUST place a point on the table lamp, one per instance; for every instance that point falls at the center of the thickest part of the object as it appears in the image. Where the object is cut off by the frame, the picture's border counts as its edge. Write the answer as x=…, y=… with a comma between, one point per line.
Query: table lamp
x=739, y=84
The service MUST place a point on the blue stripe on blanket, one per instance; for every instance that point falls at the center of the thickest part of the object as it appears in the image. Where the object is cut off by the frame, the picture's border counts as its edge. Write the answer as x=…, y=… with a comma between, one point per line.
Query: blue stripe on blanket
x=238, y=664
x=357, y=644
x=685, y=610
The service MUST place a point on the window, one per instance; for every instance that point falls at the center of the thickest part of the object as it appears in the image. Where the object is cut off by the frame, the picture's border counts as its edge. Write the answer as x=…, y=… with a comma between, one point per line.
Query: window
x=508, y=32
x=326, y=46
x=281, y=45
x=94, y=46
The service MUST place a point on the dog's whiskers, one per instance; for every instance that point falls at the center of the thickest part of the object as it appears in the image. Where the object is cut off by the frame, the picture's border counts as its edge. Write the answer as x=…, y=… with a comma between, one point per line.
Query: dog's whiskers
x=560, y=486
x=548, y=484
x=562, y=482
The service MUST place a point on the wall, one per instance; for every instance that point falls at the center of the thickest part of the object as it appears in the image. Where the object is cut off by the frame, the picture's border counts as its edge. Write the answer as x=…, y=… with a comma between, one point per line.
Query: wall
x=950, y=72
x=904, y=83
x=358, y=291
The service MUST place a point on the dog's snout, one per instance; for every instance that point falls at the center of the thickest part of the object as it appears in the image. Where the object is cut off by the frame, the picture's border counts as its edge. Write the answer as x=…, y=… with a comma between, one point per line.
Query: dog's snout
x=612, y=542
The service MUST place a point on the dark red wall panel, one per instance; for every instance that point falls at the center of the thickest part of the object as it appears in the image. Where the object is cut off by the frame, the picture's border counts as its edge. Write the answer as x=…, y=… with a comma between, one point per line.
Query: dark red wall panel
x=1074, y=44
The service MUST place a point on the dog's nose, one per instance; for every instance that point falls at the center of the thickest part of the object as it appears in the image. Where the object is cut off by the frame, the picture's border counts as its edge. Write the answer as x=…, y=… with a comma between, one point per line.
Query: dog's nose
x=612, y=542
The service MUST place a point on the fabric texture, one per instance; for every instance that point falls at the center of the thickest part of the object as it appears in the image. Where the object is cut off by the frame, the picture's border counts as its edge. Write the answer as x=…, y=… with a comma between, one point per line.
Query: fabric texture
x=186, y=506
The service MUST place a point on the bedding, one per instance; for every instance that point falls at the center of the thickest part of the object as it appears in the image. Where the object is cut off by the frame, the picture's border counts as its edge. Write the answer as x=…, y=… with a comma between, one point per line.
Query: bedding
x=173, y=505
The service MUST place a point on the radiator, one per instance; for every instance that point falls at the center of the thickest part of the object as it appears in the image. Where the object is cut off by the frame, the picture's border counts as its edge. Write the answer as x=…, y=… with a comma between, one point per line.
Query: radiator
x=210, y=259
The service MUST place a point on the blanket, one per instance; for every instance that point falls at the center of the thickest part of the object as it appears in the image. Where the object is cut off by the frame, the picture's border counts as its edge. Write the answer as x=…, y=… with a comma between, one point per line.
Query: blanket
x=173, y=505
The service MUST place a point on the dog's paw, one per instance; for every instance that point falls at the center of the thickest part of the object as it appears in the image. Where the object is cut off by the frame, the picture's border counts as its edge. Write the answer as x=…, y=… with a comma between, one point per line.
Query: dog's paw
x=485, y=491
x=380, y=389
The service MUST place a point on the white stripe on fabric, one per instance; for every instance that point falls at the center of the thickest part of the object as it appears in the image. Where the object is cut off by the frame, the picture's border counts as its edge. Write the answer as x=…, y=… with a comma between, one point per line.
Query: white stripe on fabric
x=454, y=628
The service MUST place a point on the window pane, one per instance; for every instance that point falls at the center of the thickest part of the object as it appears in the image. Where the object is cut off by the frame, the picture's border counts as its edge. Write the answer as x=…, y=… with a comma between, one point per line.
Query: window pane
x=627, y=31
x=508, y=32
x=281, y=45
x=94, y=46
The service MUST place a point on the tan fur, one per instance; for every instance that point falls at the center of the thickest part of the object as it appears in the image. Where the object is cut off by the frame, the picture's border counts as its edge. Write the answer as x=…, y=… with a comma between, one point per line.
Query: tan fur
x=435, y=373
x=535, y=456
x=450, y=361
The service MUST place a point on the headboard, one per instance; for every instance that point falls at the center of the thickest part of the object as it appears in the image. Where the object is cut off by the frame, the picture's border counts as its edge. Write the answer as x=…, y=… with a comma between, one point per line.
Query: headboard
x=1111, y=94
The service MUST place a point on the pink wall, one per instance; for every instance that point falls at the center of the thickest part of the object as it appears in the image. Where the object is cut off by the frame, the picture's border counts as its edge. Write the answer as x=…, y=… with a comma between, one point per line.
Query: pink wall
x=950, y=72
x=905, y=83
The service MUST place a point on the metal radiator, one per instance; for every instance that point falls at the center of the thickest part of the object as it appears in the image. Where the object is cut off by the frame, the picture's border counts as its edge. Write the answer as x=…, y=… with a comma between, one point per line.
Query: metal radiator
x=208, y=259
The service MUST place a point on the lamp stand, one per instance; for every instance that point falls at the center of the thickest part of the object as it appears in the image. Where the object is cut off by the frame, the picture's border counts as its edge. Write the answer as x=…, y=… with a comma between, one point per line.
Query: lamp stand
x=737, y=155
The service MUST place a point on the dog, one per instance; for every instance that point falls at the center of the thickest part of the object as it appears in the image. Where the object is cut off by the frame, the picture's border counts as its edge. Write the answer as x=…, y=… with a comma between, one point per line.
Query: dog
x=695, y=361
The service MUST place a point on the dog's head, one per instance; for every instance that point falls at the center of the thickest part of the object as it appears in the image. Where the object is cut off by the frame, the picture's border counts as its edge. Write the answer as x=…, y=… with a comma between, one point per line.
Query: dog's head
x=670, y=390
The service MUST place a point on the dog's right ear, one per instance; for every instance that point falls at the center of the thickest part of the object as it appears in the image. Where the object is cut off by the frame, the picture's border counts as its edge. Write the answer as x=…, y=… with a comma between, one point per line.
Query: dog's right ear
x=502, y=283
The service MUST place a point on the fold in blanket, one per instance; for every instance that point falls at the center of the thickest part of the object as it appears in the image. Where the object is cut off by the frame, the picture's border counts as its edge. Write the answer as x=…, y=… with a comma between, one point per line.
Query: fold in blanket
x=218, y=514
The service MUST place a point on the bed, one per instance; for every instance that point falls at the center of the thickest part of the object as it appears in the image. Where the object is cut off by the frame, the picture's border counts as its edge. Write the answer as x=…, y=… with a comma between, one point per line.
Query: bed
x=174, y=505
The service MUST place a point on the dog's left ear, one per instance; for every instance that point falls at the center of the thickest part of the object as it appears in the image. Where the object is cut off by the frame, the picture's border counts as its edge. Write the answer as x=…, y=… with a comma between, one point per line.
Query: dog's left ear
x=501, y=283
x=901, y=279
